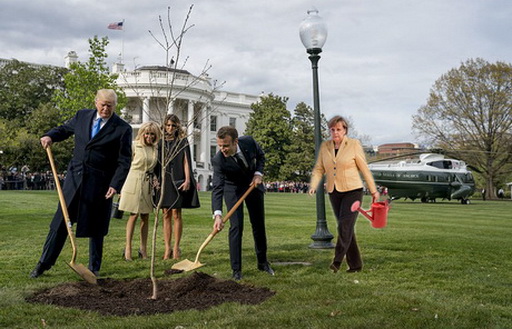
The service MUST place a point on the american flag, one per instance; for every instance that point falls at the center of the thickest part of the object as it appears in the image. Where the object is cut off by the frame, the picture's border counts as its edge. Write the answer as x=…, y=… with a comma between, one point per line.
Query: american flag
x=115, y=26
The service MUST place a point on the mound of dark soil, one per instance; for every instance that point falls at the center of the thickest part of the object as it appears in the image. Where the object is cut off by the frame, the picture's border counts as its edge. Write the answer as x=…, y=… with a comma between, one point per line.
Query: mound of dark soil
x=129, y=297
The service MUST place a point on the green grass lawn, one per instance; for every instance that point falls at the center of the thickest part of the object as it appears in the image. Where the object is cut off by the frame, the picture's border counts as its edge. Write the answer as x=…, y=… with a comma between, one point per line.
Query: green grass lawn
x=435, y=265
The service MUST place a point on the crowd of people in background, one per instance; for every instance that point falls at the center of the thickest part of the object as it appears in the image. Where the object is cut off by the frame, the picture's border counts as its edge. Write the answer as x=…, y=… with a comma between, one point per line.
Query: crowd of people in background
x=17, y=180
x=14, y=180
x=44, y=181
x=287, y=186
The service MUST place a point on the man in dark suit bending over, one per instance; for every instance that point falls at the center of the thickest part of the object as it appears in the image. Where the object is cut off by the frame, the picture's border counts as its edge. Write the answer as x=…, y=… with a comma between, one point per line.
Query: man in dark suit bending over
x=238, y=164
x=101, y=161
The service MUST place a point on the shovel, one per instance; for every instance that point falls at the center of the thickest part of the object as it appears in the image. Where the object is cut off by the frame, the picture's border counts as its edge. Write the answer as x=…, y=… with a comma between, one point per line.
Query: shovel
x=80, y=269
x=186, y=265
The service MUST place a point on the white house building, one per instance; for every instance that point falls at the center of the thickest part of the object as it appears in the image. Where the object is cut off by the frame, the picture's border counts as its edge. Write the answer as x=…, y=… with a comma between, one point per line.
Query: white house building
x=154, y=91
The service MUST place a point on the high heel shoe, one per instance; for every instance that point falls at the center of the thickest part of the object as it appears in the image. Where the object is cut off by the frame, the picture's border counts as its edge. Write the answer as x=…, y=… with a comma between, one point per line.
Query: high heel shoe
x=141, y=255
x=124, y=256
x=177, y=255
x=165, y=256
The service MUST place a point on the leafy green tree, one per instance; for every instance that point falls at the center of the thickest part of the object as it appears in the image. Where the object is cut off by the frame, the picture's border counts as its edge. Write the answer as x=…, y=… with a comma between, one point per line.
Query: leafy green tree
x=269, y=124
x=45, y=117
x=21, y=146
x=300, y=153
x=469, y=114
x=85, y=79
x=24, y=86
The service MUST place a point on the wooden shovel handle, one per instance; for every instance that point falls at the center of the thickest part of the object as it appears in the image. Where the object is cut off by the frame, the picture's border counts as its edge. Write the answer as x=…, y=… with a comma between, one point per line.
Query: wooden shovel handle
x=234, y=208
x=238, y=203
x=63, y=205
x=225, y=219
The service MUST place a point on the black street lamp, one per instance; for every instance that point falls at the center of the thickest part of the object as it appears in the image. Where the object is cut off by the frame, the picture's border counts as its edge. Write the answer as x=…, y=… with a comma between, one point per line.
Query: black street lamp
x=313, y=34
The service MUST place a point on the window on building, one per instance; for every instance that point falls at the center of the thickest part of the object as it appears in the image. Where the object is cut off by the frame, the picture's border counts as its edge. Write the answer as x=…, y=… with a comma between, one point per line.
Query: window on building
x=213, y=151
x=213, y=123
x=194, y=153
x=232, y=122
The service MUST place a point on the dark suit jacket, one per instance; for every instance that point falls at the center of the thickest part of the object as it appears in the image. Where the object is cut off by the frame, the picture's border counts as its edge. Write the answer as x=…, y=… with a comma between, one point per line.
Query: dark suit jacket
x=97, y=164
x=228, y=177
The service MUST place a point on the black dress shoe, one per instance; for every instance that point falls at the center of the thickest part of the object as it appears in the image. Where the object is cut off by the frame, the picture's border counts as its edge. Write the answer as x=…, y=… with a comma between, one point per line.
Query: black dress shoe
x=354, y=270
x=237, y=275
x=37, y=271
x=266, y=268
x=335, y=267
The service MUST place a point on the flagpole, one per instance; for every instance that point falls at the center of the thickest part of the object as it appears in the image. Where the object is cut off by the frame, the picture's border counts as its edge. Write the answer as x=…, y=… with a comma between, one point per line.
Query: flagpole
x=122, y=44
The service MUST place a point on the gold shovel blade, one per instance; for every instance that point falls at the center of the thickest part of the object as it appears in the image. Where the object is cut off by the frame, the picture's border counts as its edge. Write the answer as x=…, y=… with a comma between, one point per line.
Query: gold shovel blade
x=186, y=265
x=84, y=272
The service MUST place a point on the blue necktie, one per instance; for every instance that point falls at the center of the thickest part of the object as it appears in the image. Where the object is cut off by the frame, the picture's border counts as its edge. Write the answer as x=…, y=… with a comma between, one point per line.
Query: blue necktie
x=96, y=128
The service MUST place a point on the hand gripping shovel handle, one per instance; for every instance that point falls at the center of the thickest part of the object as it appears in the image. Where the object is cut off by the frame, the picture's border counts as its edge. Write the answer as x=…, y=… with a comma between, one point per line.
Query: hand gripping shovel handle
x=81, y=270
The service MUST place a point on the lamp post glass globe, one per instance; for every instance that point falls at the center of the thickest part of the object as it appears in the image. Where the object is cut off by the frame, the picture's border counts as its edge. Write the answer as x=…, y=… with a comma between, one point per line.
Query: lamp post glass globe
x=313, y=34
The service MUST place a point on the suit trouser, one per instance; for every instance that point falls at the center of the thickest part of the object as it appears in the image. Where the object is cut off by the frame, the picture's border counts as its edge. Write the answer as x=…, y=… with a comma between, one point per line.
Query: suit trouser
x=346, y=243
x=256, y=209
x=56, y=239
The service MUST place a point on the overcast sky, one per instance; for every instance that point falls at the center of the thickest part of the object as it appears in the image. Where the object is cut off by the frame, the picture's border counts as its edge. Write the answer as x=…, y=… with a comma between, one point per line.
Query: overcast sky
x=379, y=62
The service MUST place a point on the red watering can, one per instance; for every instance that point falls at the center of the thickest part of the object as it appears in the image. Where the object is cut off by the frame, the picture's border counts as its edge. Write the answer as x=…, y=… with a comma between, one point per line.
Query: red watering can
x=379, y=212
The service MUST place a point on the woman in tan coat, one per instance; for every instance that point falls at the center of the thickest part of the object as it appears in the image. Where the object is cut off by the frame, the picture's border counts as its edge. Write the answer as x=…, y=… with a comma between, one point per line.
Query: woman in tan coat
x=136, y=192
x=341, y=159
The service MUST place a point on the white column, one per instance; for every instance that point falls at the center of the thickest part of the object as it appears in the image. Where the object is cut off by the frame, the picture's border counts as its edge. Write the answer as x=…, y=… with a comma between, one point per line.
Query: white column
x=205, y=135
x=190, y=121
x=170, y=107
x=145, y=110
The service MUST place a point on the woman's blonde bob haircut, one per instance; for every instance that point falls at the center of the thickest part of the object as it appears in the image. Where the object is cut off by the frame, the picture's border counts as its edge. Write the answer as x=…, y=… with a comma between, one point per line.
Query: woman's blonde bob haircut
x=149, y=127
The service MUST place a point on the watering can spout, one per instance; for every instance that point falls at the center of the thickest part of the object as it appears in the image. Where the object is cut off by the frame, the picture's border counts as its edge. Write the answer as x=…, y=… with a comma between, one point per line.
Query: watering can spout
x=356, y=206
x=378, y=210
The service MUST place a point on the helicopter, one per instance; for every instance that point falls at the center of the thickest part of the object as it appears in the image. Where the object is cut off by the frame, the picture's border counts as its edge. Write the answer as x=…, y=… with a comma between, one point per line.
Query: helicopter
x=427, y=178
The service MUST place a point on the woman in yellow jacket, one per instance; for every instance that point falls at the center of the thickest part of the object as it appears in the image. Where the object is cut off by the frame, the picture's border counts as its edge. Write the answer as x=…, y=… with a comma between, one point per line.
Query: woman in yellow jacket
x=341, y=159
x=136, y=192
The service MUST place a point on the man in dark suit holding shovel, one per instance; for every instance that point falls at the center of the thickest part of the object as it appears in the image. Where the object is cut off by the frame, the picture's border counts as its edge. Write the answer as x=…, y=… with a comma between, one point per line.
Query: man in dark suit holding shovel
x=238, y=164
x=97, y=171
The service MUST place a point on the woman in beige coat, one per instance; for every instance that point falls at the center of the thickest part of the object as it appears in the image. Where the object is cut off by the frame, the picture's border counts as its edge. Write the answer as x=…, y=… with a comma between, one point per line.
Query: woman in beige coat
x=341, y=159
x=136, y=192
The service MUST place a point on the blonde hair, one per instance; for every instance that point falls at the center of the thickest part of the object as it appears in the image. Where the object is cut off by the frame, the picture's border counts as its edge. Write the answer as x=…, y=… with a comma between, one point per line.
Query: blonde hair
x=149, y=127
x=106, y=94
